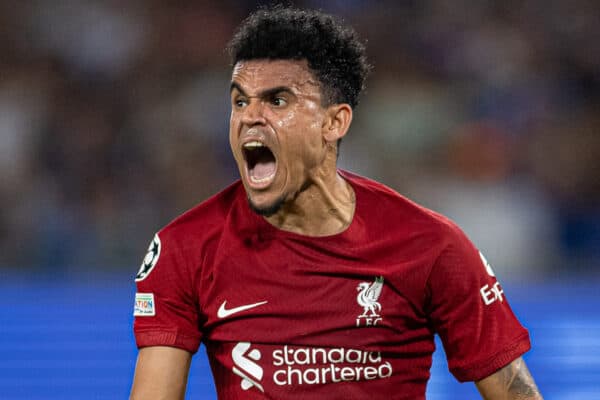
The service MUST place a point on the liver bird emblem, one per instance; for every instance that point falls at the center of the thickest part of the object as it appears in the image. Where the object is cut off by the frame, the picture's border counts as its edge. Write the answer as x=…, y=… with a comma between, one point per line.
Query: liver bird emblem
x=368, y=296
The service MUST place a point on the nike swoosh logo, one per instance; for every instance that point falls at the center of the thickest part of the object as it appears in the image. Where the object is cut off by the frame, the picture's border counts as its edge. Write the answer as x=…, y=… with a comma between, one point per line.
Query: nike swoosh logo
x=223, y=312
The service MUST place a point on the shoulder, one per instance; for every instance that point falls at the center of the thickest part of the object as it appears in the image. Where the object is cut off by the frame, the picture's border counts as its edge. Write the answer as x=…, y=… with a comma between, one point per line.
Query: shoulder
x=189, y=235
x=180, y=246
x=390, y=207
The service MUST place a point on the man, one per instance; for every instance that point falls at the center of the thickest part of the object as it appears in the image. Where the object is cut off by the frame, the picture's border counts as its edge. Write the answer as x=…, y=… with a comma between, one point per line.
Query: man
x=305, y=281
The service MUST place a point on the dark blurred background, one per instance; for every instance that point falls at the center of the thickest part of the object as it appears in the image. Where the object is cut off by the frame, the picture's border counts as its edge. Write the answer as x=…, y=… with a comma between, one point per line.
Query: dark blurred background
x=114, y=120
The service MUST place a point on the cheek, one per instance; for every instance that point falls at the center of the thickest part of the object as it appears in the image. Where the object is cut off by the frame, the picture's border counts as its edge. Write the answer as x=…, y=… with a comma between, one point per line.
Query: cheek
x=305, y=148
x=316, y=121
x=301, y=137
x=233, y=123
x=302, y=126
x=233, y=135
x=286, y=121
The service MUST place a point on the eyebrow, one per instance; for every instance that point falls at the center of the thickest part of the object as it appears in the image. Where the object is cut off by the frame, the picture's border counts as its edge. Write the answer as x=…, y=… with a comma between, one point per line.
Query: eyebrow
x=262, y=94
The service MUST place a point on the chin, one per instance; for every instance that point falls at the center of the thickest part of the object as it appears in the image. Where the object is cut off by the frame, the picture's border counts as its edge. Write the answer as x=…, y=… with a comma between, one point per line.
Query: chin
x=266, y=210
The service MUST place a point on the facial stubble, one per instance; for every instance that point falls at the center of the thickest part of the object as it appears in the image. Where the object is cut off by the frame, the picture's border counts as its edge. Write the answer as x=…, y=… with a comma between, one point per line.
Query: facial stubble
x=269, y=210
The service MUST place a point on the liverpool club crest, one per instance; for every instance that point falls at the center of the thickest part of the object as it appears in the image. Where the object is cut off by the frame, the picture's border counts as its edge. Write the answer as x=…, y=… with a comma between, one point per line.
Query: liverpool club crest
x=368, y=296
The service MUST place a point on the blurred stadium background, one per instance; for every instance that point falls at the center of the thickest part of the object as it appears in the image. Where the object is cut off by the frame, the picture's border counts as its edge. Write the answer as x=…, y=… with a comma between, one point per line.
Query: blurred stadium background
x=114, y=119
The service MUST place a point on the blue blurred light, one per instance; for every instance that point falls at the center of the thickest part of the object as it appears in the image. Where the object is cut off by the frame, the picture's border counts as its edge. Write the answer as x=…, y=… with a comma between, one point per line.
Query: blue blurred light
x=72, y=340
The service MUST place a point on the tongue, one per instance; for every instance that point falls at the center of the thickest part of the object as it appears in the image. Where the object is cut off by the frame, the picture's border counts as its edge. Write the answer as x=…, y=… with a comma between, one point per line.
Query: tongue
x=263, y=169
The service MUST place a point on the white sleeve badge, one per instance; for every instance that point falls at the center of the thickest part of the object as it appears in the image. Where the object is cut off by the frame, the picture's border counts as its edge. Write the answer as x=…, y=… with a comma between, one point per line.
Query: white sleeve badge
x=144, y=305
x=150, y=259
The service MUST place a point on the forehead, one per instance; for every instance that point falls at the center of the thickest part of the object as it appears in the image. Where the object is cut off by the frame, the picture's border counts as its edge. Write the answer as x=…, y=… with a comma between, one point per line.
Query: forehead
x=263, y=74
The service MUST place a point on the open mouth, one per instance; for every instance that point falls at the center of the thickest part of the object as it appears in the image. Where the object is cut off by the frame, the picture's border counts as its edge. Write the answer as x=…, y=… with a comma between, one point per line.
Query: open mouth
x=260, y=163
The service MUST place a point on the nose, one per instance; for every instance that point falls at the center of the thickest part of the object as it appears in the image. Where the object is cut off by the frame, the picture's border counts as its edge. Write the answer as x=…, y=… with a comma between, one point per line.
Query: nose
x=253, y=113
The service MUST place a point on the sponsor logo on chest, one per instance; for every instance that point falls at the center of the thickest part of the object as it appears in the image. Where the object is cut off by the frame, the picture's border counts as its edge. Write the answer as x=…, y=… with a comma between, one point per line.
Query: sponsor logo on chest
x=290, y=365
x=298, y=366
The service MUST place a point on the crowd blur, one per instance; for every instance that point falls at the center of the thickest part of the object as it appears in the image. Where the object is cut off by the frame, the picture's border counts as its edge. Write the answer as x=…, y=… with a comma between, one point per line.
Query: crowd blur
x=114, y=119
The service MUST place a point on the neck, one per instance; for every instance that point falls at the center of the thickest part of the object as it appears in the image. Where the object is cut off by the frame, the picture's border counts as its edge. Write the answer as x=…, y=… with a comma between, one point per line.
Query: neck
x=325, y=207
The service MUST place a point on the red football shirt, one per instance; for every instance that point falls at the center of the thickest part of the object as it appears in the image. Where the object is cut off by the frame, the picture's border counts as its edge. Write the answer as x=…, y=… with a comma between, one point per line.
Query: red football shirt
x=347, y=316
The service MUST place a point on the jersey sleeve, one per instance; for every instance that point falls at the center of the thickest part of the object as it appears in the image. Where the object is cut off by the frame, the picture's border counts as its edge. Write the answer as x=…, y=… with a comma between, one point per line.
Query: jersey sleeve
x=165, y=311
x=469, y=311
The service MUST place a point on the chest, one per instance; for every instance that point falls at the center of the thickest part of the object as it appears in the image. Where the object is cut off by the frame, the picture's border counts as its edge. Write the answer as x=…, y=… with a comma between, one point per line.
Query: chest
x=290, y=292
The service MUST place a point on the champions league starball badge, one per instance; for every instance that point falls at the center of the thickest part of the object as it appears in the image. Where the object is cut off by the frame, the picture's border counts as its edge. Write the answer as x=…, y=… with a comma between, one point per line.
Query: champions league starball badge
x=150, y=259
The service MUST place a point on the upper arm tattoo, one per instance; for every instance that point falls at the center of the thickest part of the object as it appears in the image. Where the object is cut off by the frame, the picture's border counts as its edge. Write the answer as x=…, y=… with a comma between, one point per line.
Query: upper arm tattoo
x=518, y=380
x=512, y=382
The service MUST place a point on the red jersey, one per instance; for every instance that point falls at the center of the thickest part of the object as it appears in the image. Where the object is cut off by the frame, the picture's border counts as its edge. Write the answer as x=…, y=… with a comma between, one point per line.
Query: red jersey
x=347, y=316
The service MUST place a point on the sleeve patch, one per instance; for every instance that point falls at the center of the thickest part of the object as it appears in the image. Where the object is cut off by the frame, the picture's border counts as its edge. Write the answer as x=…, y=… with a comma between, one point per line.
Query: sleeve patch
x=150, y=259
x=144, y=305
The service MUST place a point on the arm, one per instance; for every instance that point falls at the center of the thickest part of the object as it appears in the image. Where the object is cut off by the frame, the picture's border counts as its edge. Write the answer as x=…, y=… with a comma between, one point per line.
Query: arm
x=161, y=373
x=513, y=382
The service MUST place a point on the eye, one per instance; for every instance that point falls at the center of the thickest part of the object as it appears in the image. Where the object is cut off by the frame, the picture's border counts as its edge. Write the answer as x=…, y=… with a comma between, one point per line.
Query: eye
x=240, y=102
x=278, y=101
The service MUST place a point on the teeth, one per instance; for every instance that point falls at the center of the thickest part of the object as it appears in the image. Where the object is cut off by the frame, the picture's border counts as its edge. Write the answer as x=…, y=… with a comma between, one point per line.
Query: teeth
x=265, y=179
x=253, y=145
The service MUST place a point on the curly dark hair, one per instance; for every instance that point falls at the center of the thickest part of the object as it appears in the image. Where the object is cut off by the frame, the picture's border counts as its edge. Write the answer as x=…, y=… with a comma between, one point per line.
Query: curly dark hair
x=333, y=51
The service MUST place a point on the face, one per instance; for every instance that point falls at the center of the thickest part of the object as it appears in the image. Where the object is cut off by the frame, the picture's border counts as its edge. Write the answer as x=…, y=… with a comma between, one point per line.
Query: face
x=276, y=130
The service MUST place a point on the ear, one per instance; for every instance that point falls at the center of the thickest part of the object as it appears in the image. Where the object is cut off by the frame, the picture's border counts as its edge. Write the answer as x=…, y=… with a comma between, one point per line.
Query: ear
x=337, y=121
